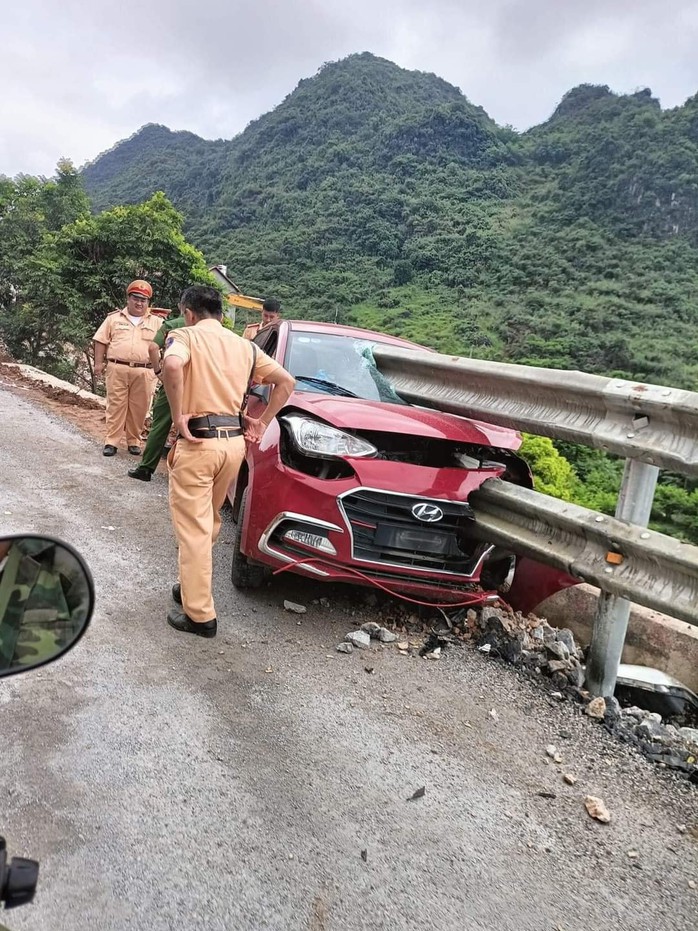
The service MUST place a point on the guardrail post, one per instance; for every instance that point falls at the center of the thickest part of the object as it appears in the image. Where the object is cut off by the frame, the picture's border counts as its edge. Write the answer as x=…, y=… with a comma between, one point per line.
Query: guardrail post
x=612, y=615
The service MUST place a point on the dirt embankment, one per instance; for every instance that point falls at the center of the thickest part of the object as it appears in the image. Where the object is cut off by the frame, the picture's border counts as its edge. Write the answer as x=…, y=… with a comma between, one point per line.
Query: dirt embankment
x=83, y=411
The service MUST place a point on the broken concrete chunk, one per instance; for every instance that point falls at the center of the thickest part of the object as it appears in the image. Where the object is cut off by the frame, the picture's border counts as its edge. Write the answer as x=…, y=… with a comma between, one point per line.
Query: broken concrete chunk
x=359, y=638
x=690, y=734
x=558, y=650
x=371, y=628
x=295, y=608
x=597, y=809
x=386, y=636
x=489, y=613
x=648, y=729
x=569, y=779
x=566, y=637
x=596, y=708
x=575, y=674
x=553, y=753
x=345, y=648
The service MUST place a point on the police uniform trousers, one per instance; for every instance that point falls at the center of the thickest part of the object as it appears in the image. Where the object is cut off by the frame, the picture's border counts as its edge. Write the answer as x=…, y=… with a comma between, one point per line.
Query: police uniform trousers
x=159, y=431
x=200, y=476
x=129, y=392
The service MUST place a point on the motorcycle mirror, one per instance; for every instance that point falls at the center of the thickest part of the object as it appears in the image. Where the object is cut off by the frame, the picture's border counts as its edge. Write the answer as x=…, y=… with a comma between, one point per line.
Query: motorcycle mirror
x=46, y=601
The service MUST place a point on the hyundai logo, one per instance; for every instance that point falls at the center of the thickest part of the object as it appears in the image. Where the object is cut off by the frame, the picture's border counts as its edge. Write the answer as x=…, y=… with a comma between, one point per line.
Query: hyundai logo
x=429, y=513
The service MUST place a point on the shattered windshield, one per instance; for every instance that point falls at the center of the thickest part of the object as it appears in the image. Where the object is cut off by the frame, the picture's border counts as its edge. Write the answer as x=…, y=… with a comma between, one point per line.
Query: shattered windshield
x=337, y=365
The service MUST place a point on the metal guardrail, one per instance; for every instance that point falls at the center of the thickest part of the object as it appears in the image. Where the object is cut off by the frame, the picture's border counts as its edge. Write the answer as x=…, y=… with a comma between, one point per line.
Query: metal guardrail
x=651, y=426
x=654, y=424
x=656, y=570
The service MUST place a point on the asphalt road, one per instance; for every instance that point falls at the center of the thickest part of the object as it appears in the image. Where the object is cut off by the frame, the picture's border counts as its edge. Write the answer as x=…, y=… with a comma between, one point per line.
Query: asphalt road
x=168, y=782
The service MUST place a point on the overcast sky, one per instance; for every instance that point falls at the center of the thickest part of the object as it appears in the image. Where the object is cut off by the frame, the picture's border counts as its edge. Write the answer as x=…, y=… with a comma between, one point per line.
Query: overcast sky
x=77, y=77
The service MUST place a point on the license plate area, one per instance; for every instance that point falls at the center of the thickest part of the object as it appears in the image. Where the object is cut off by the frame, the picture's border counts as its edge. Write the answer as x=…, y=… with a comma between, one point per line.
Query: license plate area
x=412, y=539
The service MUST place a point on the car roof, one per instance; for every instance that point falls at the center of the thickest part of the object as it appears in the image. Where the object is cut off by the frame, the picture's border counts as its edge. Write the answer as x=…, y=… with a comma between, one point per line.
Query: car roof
x=336, y=329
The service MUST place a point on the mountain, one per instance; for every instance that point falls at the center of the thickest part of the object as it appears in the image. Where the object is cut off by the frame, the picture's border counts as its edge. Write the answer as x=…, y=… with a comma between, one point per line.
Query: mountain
x=383, y=197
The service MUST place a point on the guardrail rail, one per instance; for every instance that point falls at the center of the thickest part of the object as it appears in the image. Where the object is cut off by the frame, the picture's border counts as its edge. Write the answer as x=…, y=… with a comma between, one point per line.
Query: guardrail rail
x=651, y=426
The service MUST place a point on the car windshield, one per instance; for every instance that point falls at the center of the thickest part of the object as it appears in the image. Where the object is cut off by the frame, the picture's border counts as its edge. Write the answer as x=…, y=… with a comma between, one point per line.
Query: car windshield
x=339, y=365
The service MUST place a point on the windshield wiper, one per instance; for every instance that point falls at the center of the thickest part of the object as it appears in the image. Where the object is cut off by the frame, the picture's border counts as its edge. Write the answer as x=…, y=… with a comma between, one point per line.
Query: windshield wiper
x=330, y=386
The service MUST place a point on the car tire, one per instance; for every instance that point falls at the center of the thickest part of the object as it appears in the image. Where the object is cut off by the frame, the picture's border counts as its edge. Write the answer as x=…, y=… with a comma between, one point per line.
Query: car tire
x=244, y=574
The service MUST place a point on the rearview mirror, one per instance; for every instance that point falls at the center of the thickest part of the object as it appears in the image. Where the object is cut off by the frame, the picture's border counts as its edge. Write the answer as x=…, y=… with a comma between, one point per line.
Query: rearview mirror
x=46, y=601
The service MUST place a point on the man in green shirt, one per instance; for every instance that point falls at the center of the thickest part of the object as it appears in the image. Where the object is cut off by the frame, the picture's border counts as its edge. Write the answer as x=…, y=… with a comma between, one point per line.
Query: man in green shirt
x=162, y=418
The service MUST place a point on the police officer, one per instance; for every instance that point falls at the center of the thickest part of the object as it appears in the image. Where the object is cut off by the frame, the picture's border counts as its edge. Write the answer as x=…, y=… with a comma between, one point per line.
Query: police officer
x=206, y=371
x=123, y=340
x=271, y=312
x=161, y=417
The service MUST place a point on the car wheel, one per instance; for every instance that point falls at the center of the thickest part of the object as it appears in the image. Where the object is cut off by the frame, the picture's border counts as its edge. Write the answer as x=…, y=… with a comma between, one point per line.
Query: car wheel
x=242, y=573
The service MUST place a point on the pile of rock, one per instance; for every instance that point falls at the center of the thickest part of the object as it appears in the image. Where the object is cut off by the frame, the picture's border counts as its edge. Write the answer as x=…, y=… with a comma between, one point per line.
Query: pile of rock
x=669, y=746
x=361, y=638
x=528, y=641
x=531, y=642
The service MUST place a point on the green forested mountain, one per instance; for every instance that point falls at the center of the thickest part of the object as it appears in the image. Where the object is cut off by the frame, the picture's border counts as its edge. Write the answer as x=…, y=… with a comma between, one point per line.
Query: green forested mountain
x=383, y=197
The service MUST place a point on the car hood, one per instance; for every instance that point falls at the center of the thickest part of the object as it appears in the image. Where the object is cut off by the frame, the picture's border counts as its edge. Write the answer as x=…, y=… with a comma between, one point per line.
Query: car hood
x=358, y=414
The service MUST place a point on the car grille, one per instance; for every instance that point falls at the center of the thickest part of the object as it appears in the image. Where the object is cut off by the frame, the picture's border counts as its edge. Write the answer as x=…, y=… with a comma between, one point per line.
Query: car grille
x=384, y=530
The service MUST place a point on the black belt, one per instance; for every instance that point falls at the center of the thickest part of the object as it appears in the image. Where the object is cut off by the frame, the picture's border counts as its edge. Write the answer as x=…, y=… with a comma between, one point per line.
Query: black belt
x=212, y=426
x=132, y=365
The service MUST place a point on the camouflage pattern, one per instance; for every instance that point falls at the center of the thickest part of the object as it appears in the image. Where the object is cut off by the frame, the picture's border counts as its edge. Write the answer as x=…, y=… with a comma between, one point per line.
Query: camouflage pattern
x=44, y=602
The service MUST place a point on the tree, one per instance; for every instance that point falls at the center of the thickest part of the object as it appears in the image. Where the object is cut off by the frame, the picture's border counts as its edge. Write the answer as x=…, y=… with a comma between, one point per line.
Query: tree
x=32, y=211
x=65, y=269
x=552, y=473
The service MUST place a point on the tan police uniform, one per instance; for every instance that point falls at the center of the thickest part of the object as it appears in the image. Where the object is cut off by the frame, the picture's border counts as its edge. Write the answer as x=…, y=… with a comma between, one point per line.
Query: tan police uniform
x=217, y=366
x=129, y=375
x=251, y=330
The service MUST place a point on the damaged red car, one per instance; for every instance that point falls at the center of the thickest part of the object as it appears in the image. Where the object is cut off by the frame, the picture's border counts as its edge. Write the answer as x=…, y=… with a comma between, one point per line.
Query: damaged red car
x=350, y=483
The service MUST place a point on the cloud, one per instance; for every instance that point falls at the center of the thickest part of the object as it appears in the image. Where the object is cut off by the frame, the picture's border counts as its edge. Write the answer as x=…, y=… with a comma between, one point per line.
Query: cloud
x=78, y=77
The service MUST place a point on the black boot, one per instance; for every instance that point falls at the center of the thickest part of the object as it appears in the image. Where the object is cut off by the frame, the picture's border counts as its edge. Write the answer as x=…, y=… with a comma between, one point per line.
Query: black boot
x=177, y=593
x=180, y=621
x=143, y=473
x=109, y=450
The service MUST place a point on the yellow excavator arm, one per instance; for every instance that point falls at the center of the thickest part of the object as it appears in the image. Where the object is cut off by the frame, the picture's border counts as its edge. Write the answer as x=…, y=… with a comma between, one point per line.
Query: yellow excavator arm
x=244, y=302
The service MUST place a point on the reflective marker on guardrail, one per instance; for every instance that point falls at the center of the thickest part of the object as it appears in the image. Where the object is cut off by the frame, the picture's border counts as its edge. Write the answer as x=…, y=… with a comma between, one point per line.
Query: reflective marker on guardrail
x=656, y=571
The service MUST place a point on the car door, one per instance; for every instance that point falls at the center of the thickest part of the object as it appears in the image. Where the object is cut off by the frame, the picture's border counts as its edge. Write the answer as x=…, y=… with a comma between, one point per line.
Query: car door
x=268, y=341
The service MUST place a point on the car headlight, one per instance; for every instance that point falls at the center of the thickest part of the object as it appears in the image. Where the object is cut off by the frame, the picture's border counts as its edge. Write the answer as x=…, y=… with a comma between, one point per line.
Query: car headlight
x=315, y=438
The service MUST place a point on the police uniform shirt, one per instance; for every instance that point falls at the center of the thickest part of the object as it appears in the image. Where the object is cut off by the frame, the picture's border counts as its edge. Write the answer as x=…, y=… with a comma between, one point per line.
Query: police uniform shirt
x=251, y=330
x=217, y=367
x=125, y=341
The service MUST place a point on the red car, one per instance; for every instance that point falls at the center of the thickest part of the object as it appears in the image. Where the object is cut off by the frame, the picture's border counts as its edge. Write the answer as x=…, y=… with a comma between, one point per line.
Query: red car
x=351, y=483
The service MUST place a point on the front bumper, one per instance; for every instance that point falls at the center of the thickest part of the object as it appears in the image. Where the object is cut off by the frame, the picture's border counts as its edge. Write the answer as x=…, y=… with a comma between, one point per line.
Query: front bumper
x=362, y=529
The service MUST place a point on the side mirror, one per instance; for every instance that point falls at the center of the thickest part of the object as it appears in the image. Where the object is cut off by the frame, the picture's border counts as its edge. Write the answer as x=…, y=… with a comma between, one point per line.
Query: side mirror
x=46, y=601
x=261, y=392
